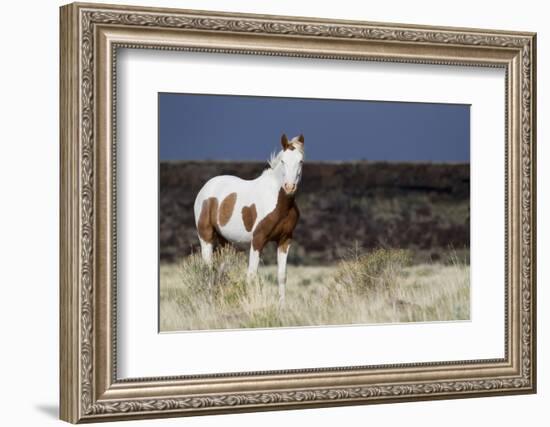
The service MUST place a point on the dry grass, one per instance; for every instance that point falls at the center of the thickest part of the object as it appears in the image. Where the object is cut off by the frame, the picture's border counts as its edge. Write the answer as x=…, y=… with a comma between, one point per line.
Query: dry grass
x=378, y=287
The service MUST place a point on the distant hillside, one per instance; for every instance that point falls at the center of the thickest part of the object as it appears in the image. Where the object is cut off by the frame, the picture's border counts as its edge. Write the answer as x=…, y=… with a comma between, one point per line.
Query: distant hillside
x=421, y=206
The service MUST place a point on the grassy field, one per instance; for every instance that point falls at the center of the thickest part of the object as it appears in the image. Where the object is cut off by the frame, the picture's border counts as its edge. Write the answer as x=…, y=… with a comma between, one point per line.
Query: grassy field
x=376, y=287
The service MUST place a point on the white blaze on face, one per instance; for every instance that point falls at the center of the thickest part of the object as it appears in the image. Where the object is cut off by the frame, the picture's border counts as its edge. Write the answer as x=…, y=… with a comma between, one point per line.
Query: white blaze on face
x=292, y=161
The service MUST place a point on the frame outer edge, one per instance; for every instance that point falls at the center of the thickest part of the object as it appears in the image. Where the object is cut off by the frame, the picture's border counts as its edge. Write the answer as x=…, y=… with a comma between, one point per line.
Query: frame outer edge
x=533, y=112
x=77, y=225
x=68, y=226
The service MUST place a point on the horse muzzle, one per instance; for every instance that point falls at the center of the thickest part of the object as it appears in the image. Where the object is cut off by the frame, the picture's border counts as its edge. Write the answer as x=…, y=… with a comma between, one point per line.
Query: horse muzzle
x=290, y=189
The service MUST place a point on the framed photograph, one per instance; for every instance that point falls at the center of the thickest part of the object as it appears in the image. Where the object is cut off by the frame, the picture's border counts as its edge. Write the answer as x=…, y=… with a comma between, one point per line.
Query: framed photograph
x=267, y=212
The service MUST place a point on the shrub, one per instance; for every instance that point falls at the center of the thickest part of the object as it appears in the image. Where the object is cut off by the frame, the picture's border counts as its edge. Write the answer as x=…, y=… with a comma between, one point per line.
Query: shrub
x=225, y=279
x=373, y=271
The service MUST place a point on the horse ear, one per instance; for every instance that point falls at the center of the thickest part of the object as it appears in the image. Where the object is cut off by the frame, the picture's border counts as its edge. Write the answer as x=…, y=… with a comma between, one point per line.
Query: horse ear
x=284, y=141
x=301, y=138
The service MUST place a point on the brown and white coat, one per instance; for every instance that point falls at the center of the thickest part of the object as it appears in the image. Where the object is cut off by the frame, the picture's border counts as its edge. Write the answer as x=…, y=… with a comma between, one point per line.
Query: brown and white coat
x=258, y=211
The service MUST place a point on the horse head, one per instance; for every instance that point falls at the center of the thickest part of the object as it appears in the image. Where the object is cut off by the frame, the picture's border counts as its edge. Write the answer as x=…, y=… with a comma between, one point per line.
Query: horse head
x=292, y=160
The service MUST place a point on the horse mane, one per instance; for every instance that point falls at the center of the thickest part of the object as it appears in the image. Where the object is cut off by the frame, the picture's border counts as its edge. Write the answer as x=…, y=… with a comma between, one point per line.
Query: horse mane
x=274, y=159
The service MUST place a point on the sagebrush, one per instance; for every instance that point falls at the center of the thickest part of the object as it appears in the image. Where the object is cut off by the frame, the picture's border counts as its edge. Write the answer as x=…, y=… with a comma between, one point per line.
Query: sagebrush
x=373, y=271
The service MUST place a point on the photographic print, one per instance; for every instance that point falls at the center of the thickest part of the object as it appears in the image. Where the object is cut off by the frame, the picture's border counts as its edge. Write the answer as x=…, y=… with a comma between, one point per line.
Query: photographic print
x=287, y=212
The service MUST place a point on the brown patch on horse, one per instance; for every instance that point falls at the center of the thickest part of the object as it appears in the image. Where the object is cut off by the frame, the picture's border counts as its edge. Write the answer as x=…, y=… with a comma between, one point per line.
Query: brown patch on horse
x=286, y=144
x=249, y=216
x=279, y=224
x=284, y=243
x=206, y=225
x=291, y=145
x=226, y=208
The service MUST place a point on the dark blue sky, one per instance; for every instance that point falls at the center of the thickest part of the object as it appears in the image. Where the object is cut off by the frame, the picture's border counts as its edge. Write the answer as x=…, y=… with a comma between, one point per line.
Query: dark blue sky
x=218, y=127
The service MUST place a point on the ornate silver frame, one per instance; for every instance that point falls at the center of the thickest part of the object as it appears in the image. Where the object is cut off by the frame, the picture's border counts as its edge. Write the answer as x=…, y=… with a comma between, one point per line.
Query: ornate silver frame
x=90, y=36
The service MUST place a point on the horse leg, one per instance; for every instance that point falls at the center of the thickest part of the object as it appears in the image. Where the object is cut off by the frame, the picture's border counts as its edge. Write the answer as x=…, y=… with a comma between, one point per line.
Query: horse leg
x=206, y=251
x=282, y=253
x=253, y=262
x=206, y=228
